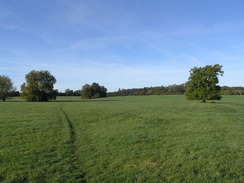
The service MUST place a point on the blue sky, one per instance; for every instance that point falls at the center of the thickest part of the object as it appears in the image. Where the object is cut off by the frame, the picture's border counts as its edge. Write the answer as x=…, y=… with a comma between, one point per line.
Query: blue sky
x=121, y=43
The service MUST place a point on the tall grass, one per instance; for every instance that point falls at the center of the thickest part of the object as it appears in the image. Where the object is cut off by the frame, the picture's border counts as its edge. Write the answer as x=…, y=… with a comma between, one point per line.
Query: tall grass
x=122, y=139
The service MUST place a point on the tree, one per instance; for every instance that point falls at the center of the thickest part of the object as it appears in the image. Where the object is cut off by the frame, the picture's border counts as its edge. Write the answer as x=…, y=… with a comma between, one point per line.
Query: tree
x=6, y=87
x=39, y=86
x=202, y=83
x=77, y=93
x=93, y=91
x=69, y=92
x=86, y=92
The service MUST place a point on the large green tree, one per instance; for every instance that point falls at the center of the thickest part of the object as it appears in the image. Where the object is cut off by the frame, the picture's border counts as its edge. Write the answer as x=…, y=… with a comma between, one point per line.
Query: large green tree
x=93, y=91
x=6, y=87
x=202, y=83
x=39, y=86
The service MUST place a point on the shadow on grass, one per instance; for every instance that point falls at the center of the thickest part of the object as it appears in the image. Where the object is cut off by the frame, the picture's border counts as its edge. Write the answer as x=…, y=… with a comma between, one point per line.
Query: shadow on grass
x=11, y=101
x=58, y=101
x=210, y=103
x=84, y=100
x=18, y=100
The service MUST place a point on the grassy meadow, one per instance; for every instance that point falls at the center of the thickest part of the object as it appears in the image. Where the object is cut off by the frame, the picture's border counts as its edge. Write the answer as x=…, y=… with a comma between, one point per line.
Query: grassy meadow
x=122, y=139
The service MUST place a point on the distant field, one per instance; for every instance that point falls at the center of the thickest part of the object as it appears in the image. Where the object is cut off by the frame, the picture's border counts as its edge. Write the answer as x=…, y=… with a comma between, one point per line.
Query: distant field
x=122, y=139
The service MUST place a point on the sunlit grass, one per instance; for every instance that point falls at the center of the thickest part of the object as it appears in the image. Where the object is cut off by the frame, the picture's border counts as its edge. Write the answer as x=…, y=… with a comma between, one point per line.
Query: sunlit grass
x=122, y=139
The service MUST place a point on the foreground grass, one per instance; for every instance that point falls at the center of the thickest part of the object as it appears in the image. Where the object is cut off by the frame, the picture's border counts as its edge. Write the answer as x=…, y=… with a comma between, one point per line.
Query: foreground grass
x=35, y=144
x=122, y=139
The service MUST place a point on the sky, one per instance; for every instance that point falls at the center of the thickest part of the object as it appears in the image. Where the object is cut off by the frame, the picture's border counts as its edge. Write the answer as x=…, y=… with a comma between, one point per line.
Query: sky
x=121, y=43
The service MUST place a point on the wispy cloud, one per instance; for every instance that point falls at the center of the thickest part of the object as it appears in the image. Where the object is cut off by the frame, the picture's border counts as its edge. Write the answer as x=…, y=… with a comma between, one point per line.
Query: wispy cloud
x=12, y=27
x=195, y=29
x=150, y=44
x=114, y=68
x=193, y=60
x=4, y=12
x=76, y=14
x=97, y=43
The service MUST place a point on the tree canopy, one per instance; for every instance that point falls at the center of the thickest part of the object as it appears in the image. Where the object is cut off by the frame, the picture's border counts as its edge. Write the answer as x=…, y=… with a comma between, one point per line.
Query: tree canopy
x=39, y=86
x=93, y=91
x=69, y=92
x=6, y=87
x=202, y=83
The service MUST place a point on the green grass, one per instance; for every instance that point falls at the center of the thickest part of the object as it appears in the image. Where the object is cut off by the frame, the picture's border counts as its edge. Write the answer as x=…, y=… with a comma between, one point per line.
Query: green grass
x=122, y=139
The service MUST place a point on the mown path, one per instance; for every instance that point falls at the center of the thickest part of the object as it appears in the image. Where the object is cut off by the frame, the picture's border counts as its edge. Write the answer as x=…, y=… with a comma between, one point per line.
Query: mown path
x=70, y=129
x=73, y=155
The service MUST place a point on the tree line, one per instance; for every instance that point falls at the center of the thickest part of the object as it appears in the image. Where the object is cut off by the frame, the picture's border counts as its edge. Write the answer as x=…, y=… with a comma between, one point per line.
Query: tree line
x=39, y=86
x=158, y=90
x=201, y=85
x=170, y=90
x=226, y=90
x=69, y=92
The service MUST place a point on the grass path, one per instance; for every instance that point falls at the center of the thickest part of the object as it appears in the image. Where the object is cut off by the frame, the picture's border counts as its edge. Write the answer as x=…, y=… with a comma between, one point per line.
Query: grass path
x=75, y=168
x=70, y=129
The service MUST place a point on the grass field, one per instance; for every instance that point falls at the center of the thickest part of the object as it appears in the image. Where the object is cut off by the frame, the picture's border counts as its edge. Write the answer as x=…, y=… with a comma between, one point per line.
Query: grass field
x=122, y=139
